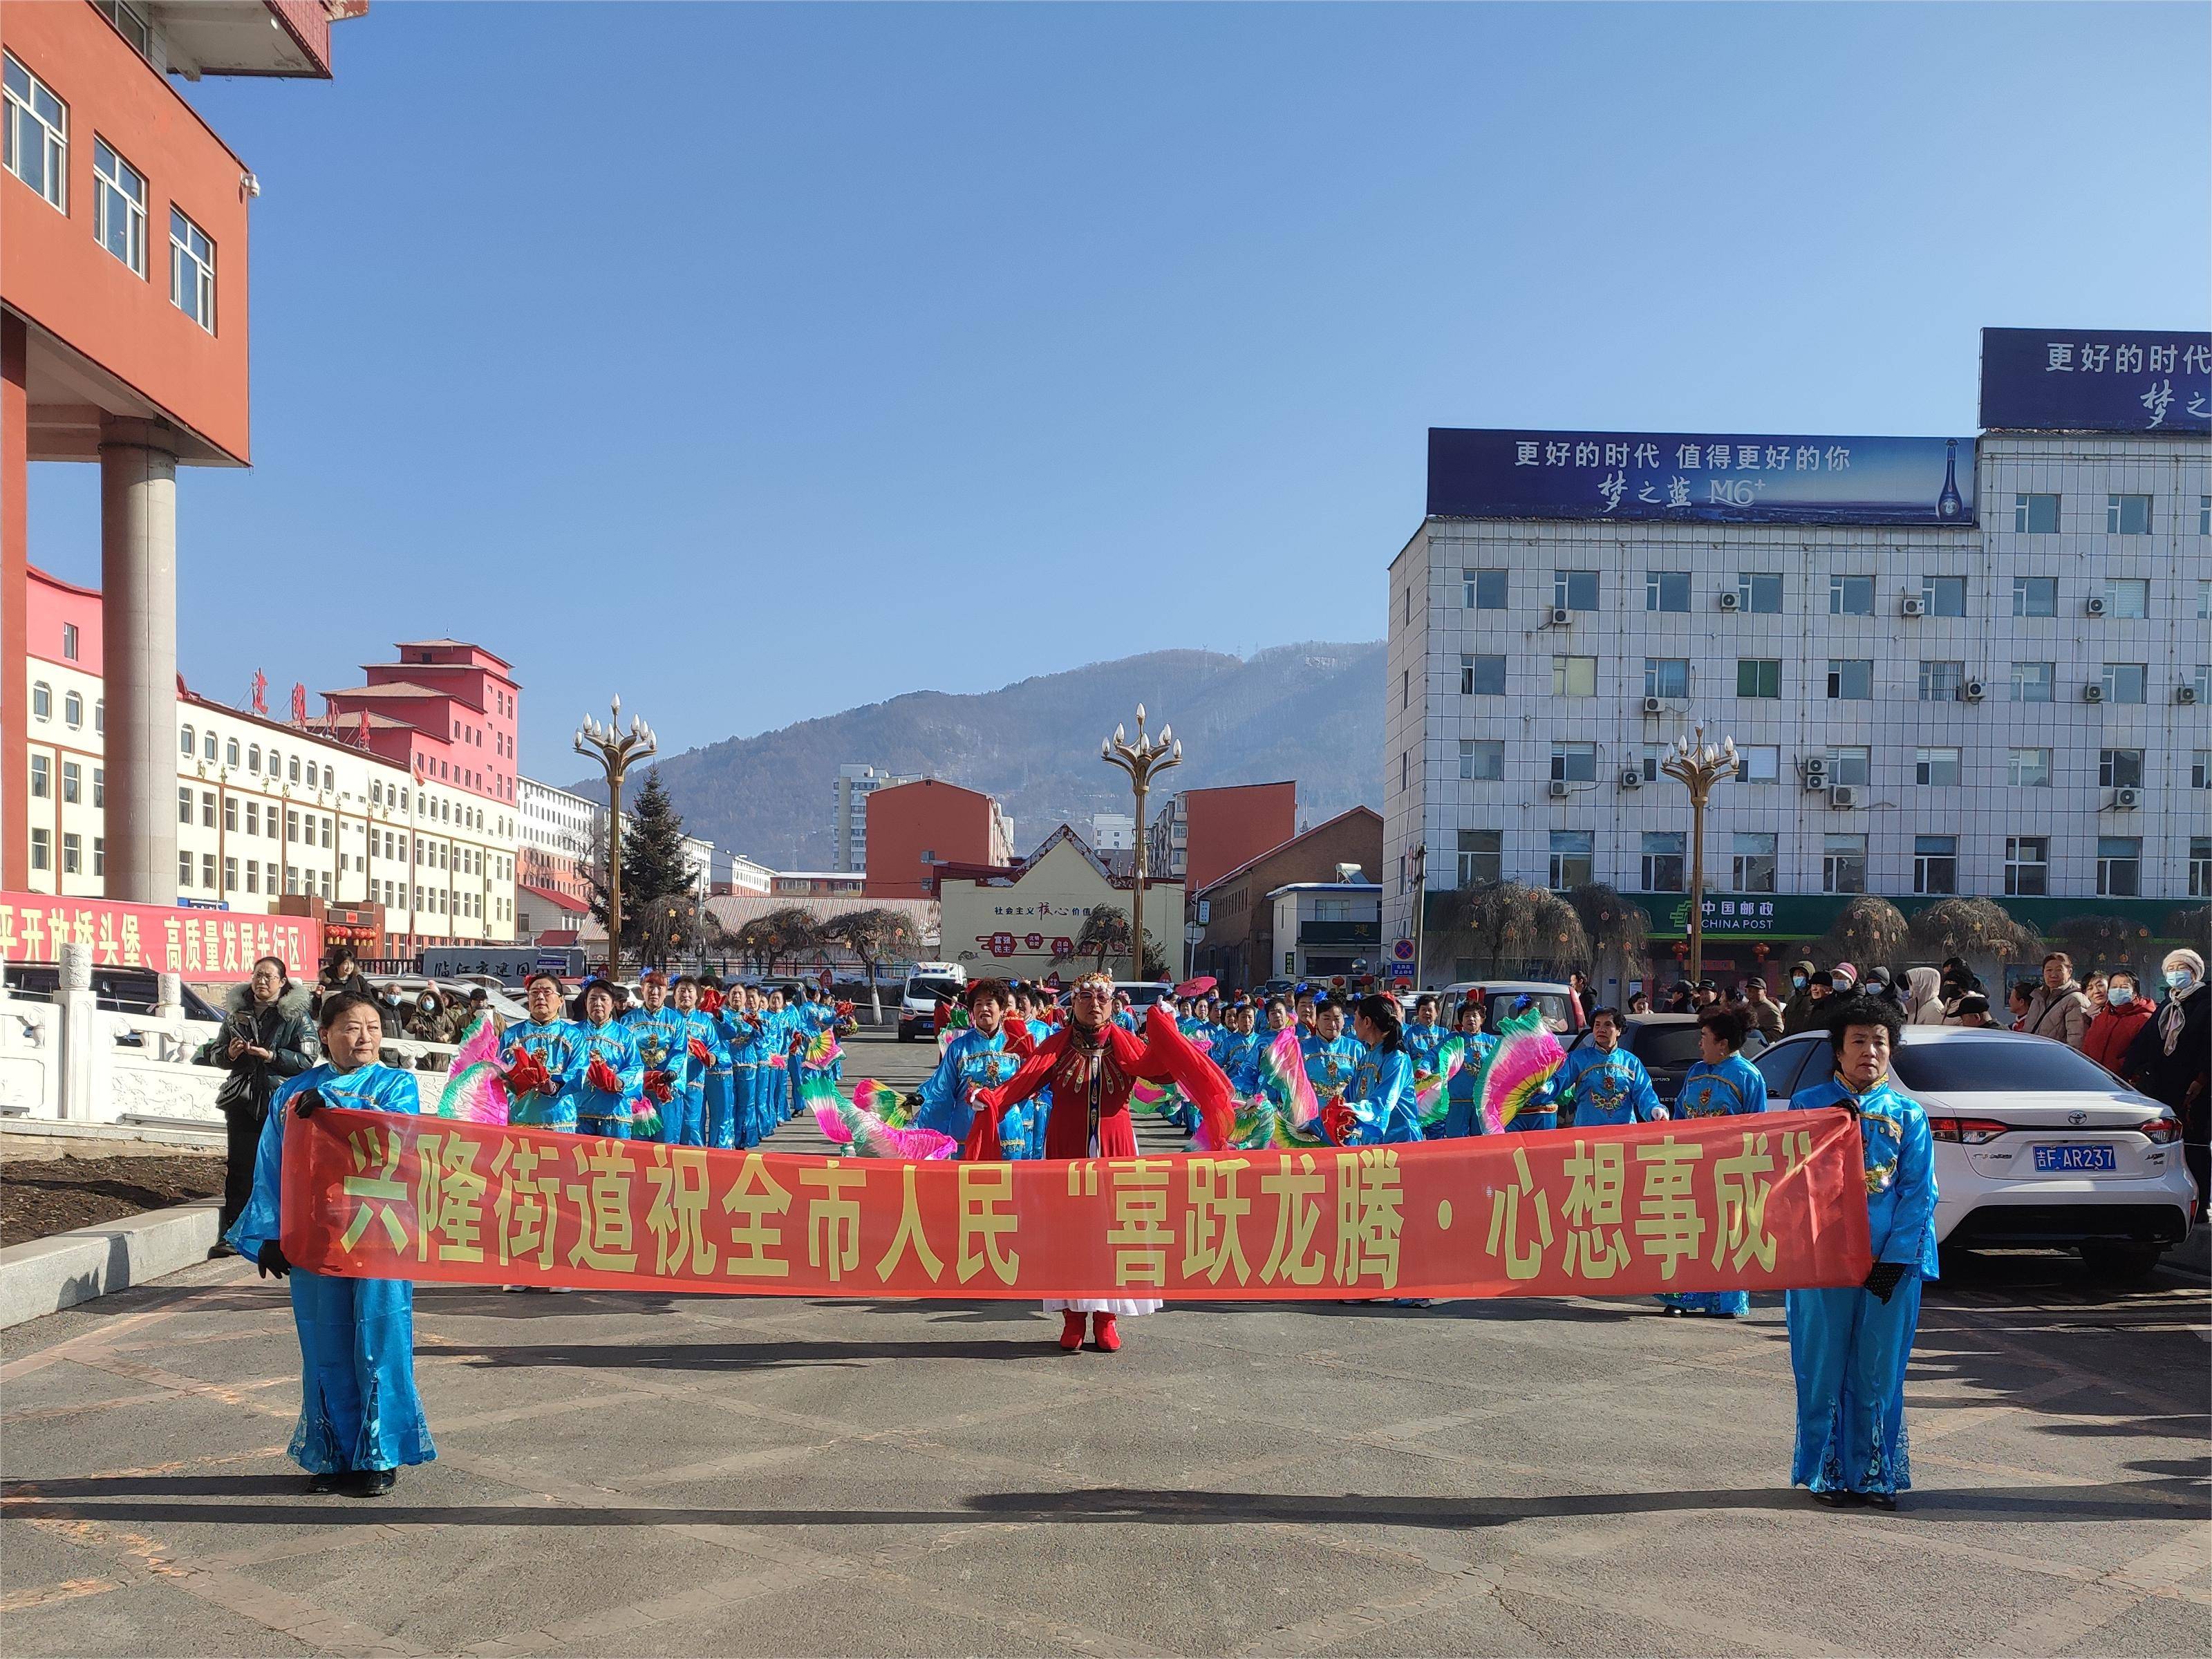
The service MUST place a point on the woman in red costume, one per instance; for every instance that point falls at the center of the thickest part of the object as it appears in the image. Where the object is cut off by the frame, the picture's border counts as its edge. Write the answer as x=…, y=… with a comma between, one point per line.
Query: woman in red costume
x=1089, y=1065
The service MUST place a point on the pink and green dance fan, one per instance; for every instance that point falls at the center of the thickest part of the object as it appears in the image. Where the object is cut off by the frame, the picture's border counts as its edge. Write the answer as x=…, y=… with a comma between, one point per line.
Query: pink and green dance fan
x=475, y=1091
x=849, y=1123
x=1515, y=1073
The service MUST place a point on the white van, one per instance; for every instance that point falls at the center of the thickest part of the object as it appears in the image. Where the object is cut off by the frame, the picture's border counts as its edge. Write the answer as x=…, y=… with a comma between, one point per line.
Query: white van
x=928, y=983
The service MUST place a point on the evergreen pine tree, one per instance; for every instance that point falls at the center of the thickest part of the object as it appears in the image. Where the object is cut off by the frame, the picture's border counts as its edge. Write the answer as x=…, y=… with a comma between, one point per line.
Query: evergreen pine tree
x=653, y=863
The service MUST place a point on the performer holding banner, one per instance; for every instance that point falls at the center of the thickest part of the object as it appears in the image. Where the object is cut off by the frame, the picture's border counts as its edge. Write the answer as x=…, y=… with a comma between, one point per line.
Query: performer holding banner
x=1850, y=1348
x=360, y=1416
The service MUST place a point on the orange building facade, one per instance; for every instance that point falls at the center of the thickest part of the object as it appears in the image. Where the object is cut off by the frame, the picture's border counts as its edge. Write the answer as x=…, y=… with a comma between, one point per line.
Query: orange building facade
x=124, y=343
x=913, y=828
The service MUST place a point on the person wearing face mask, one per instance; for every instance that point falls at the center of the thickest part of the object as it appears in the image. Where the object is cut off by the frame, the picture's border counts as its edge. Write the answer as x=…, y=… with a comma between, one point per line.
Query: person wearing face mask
x=1923, y=997
x=2113, y=1030
x=2170, y=1057
x=1796, y=1015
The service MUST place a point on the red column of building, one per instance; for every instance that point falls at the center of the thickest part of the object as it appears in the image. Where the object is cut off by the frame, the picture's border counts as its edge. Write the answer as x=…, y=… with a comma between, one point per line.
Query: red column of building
x=14, y=598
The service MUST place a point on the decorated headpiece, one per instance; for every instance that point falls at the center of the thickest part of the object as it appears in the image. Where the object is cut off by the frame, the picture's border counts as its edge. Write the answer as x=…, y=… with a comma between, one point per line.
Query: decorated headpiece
x=1093, y=978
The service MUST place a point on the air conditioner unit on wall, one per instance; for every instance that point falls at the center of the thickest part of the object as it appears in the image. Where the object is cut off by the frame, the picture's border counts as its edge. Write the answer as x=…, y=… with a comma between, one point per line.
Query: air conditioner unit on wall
x=1653, y=706
x=1816, y=772
x=1559, y=790
x=1973, y=691
x=1731, y=600
x=2184, y=694
x=2096, y=605
x=1845, y=795
x=1561, y=616
x=2093, y=692
x=1914, y=605
x=2127, y=799
x=1632, y=779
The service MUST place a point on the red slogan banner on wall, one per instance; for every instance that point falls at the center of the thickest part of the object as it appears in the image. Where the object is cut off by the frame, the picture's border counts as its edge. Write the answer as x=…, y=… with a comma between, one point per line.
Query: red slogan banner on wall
x=1759, y=1203
x=219, y=943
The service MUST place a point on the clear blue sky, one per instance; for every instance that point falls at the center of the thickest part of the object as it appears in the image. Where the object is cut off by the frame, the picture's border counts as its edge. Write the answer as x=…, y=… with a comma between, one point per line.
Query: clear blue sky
x=758, y=361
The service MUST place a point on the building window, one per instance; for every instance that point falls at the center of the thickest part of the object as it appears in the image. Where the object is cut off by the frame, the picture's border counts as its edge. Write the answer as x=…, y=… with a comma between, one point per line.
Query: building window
x=42, y=778
x=1850, y=679
x=1574, y=677
x=100, y=715
x=2035, y=516
x=1851, y=763
x=2127, y=596
x=208, y=750
x=1843, y=863
x=2127, y=515
x=1944, y=596
x=1479, y=590
x=1571, y=862
x=2204, y=515
x=2119, y=769
x=1761, y=591
x=1405, y=768
x=2200, y=769
x=2032, y=681
x=1666, y=590
x=253, y=876
x=72, y=782
x=1851, y=596
x=2123, y=682
x=207, y=809
x=230, y=754
x=1575, y=590
x=2119, y=867
x=1574, y=763
x=42, y=701
x=1481, y=857
x=312, y=775
x=191, y=271
x=230, y=814
x=118, y=210
x=1752, y=863
x=1666, y=677
x=1405, y=687
x=99, y=855
x=68, y=642
x=1939, y=681
x=72, y=854
x=295, y=766
x=1934, y=864
x=184, y=806
x=73, y=710
x=1482, y=759
x=2200, y=867
x=2027, y=866
x=2201, y=683
x=1756, y=763
x=2028, y=768
x=1758, y=677
x=188, y=744
x=230, y=875
x=207, y=870
x=1662, y=870
x=36, y=135
x=99, y=786
x=42, y=849
x=253, y=757
x=184, y=869
x=1939, y=767
x=2035, y=596
x=1479, y=676
x=291, y=825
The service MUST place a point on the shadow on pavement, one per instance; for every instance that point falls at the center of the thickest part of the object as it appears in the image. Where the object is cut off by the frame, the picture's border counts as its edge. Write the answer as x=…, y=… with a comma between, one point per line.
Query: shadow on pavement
x=707, y=1356
x=148, y=1499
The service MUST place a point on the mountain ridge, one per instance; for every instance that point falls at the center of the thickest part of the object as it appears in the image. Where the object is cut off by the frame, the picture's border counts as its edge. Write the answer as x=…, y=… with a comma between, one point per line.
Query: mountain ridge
x=1311, y=710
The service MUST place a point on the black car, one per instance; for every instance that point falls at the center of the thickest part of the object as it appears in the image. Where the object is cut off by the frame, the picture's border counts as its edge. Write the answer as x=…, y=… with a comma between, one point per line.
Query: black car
x=115, y=990
x=1667, y=1046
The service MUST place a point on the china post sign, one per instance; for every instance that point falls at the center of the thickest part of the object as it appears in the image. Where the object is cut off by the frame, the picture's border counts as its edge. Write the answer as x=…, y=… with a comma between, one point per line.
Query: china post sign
x=2096, y=379
x=1706, y=476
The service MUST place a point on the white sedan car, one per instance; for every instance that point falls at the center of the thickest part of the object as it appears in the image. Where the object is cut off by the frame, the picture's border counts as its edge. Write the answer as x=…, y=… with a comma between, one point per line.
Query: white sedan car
x=2036, y=1145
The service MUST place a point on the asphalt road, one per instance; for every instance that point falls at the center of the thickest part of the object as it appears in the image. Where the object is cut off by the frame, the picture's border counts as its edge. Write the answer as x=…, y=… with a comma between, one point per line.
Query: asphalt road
x=717, y=1475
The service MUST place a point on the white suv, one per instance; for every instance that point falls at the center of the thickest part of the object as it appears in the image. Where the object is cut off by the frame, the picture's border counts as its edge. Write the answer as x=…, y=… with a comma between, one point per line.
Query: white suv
x=2036, y=1145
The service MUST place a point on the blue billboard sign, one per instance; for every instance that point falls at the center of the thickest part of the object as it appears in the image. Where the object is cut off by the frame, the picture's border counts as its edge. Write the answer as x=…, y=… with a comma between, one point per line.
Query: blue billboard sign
x=1707, y=477
x=2096, y=379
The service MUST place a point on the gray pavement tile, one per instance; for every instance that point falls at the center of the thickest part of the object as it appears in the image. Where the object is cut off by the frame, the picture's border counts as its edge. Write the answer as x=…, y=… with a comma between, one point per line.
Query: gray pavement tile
x=147, y=1619
x=183, y=1428
x=829, y=1617
x=1511, y=1621
x=2152, y=1628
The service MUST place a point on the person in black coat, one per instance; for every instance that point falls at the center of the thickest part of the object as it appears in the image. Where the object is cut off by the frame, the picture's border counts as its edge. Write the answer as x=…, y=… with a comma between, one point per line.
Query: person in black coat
x=2170, y=1058
x=267, y=1036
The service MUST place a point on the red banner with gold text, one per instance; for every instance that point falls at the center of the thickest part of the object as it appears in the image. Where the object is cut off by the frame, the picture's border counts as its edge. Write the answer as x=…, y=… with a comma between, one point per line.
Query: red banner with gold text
x=1759, y=1203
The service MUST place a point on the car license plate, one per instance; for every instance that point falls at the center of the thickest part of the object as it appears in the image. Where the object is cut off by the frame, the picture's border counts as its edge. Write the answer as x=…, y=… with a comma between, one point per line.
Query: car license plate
x=2069, y=1160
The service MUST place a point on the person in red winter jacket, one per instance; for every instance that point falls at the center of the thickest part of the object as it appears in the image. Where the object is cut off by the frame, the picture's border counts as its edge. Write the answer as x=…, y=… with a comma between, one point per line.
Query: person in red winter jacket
x=2110, y=1033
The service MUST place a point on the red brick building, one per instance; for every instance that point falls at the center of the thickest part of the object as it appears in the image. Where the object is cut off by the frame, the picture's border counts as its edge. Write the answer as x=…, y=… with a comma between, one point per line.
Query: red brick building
x=1239, y=947
x=913, y=828
x=1205, y=832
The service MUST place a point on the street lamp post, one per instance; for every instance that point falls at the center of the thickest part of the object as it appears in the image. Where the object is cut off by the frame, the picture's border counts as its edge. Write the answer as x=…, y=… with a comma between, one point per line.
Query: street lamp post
x=1421, y=908
x=1699, y=766
x=615, y=749
x=1142, y=761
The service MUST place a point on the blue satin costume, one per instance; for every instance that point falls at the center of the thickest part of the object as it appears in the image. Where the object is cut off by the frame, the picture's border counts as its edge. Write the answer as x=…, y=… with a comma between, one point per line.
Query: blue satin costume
x=559, y=1045
x=1848, y=1347
x=1461, y=1117
x=1381, y=1096
x=1733, y=1087
x=599, y=1113
x=358, y=1405
x=661, y=1040
x=972, y=1059
x=1421, y=1042
x=1329, y=1065
x=1606, y=1089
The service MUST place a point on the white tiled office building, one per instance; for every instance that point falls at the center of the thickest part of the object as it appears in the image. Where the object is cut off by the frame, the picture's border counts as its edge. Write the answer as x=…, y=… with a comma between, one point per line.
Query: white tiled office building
x=2019, y=709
